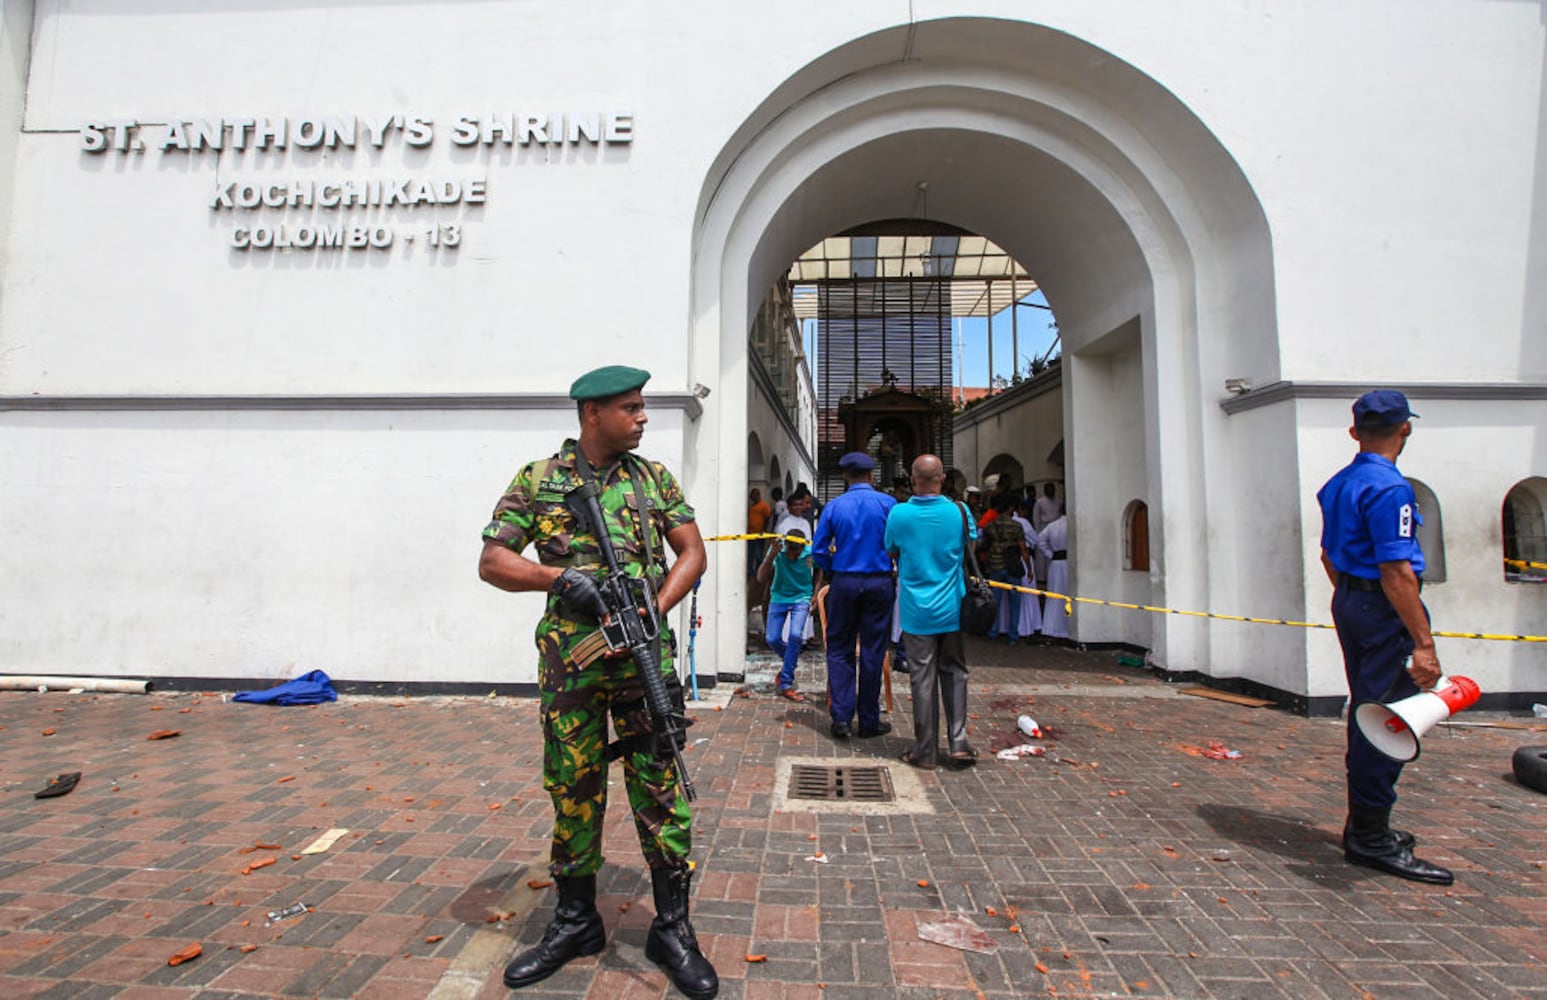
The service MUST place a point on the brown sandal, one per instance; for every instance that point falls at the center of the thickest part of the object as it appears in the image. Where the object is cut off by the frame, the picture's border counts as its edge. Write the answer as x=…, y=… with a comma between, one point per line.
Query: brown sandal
x=912, y=759
x=791, y=694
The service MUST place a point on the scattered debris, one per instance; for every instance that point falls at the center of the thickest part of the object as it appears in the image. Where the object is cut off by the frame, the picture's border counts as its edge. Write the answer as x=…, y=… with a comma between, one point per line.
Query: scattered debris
x=255, y=865
x=757, y=958
x=959, y=932
x=539, y=883
x=1024, y=750
x=1214, y=751
x=325, y=841
x=293, y=910
x=819, y=858
x=1235, y=699
x=187, y=954
x=62, y=785
x=164, y=734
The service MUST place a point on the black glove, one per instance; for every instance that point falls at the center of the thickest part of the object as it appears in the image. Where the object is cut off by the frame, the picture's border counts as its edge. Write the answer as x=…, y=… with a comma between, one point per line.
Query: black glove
x=579, y=595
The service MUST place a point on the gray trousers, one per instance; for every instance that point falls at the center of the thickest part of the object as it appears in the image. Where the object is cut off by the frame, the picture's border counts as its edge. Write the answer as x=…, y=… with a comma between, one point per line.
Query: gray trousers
x=937, y=662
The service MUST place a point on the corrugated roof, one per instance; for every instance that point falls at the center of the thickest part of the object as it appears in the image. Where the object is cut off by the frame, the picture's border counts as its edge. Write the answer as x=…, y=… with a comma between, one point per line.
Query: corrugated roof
x=968, y=262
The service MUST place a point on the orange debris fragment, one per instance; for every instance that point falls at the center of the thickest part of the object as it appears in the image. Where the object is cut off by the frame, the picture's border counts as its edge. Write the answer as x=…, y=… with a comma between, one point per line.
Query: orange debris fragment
x=434, y=938
x=757, y=958
x=539, y=883
x=187, y=954
x=164, y=734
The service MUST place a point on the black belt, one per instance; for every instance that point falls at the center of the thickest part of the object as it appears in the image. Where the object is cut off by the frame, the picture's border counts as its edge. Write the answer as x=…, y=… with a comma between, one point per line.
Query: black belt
x=1060, y=553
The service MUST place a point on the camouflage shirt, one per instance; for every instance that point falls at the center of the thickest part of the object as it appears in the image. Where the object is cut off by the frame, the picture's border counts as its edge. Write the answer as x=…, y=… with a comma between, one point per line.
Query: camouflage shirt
x=533, y=512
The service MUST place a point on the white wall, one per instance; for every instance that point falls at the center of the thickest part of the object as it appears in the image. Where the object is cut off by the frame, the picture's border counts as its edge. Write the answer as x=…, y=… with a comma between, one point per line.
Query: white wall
x=1121, y=149
x=1470, y=454
x=15, y=50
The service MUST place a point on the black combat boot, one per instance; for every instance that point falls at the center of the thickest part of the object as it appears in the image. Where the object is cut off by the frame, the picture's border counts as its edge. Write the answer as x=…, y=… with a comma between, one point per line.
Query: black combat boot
x=1368, y=840
x=575, y=931
x=672, y=944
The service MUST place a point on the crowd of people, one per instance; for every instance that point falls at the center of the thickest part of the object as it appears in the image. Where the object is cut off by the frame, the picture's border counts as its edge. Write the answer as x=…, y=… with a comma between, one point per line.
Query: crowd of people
x=884, y=569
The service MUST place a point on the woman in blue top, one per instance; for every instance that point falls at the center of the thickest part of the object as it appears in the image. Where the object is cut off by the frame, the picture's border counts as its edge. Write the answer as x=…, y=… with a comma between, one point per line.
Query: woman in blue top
x=788, y=566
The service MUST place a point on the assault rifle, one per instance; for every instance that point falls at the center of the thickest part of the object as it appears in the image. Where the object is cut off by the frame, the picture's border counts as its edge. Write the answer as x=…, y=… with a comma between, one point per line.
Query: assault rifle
x=633, y=623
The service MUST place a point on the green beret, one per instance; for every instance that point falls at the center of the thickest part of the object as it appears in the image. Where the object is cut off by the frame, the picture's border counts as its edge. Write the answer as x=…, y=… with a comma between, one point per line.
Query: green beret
x=608, y=381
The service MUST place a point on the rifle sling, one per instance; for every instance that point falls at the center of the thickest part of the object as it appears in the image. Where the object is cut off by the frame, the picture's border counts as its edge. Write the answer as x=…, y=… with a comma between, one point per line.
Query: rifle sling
x=647, y=525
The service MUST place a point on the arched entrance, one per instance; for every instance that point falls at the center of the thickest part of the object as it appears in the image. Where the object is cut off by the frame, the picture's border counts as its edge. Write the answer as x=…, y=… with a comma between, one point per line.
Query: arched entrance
x=1134, y=219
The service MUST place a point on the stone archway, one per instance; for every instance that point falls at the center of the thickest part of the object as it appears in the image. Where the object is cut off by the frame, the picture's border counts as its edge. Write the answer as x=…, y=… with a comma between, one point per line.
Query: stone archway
x=1134, y=219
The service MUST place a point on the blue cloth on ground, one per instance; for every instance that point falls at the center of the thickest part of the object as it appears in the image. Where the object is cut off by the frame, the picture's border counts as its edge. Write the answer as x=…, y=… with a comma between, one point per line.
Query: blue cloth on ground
x=308, y=689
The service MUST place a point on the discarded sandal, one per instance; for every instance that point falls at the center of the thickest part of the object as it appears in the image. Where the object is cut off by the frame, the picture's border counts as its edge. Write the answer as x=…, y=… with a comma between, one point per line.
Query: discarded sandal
x=914, y=760
x=791, y=694
x=963, y=758
x=62, y=785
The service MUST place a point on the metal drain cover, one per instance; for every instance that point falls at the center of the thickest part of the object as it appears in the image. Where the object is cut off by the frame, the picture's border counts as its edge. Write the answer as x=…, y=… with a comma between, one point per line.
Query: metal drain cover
x=841, y=783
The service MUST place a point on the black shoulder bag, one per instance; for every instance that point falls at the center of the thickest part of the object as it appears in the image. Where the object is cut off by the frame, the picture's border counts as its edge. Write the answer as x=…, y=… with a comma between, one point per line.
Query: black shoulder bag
x=979, y=605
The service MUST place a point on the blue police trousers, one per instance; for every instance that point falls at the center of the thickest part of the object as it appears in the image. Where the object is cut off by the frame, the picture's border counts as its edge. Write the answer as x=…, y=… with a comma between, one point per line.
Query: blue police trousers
x=1376, y=646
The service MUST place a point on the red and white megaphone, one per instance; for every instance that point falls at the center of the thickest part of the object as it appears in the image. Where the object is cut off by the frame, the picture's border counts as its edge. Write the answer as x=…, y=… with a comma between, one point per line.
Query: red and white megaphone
x=1394, y=729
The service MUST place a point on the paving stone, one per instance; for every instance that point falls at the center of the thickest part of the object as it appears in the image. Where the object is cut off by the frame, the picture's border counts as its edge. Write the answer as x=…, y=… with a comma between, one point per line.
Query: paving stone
x=1138, y=868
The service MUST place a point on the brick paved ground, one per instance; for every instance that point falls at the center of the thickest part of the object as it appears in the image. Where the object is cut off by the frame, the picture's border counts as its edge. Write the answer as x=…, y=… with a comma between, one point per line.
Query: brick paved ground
x=1122, y=863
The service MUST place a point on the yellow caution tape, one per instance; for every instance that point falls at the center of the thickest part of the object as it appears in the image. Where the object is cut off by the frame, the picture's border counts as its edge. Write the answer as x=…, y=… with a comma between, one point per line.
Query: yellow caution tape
x=1521, y=563
x=1070, y=602
x=749, y=537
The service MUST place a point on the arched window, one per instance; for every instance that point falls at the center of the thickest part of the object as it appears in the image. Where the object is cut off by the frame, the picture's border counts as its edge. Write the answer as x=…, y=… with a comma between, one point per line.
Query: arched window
x=1431, y=533
x=1525, y=532
x=1136, y=536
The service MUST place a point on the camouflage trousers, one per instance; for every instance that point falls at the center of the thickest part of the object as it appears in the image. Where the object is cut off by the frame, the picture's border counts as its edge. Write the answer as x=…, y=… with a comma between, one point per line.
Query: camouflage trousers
x=576, y=704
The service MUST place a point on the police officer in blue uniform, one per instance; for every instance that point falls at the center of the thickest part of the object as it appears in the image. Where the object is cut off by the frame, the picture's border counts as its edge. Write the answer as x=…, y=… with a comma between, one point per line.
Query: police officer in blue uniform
x=1369, y=547
x=850, y=546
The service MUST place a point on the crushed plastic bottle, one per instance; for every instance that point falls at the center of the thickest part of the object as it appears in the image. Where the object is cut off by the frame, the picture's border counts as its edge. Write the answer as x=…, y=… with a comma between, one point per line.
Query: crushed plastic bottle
x=1028, y=726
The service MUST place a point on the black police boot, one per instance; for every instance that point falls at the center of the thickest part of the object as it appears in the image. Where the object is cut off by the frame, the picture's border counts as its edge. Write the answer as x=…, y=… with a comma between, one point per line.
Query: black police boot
x=575, y=931
x=672, y=944
x=1369, y=841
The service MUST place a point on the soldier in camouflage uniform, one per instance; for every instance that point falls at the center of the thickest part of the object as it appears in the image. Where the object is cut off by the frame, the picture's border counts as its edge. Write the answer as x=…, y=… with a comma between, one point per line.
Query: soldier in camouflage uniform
x=582, y=683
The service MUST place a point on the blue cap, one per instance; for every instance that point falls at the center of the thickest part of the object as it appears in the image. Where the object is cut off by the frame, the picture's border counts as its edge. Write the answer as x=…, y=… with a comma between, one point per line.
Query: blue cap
x=1381, y=408
x=856, y=461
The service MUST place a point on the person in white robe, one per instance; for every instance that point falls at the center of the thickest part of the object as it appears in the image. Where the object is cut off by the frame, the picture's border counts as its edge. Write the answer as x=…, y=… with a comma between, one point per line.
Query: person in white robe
x=1055, y=623
x=1031, y=606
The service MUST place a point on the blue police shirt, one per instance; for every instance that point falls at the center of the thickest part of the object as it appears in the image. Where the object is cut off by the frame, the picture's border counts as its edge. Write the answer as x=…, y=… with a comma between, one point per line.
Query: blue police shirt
x=850, y=534
x=1369, y=516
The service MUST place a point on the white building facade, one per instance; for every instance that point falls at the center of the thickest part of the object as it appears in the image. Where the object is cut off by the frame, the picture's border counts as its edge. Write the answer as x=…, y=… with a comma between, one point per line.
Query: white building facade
x=287, y=295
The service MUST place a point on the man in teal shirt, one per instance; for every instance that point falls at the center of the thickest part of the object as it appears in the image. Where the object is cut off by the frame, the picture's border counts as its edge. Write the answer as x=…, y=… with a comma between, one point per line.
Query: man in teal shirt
x=925, y=536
